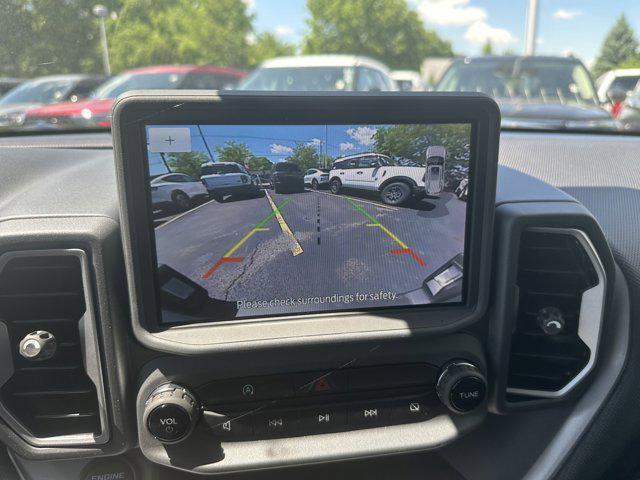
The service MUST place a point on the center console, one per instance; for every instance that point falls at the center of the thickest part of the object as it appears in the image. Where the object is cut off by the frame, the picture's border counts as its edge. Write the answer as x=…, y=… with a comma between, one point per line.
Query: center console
x=321, y=288
x=200, y=415
x=299, y=280
x=301, y=323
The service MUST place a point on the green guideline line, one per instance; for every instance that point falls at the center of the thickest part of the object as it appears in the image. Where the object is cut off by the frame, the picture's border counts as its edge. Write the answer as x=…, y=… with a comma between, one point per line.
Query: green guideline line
x=363, y=211
x=272, y=214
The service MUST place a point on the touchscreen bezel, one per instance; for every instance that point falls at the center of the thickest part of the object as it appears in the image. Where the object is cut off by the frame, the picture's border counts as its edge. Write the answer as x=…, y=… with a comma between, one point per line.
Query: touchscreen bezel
x=135, y=111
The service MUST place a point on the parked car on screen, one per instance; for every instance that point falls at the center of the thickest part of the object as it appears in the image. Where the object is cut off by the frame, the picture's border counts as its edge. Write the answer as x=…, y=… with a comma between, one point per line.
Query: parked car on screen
x=227, y=178
x=96, y=111
x=317, y=177
x=7, y=83
x=43, y=91
x=395, y=183
x=287, y=177
x=408, y=81
x=621, y=80
x=318, y=73
x=176, y=190
x=554, y=93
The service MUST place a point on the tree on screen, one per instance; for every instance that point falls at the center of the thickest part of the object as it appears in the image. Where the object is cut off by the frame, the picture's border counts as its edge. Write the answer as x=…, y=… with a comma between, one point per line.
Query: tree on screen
x=409, y=143
x=487, y=48
x=388, y=30
x=232, y=151
x=187, y=162
x=305, y=155
x=259, y=164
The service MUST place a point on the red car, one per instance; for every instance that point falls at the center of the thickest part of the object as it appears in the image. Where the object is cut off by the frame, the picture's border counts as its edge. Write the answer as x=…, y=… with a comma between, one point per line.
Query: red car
x=96, y=110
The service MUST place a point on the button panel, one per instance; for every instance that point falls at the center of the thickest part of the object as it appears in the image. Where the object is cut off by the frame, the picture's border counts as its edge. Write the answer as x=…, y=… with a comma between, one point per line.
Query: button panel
x=318, y=402
x=276, y=387
x=302, y=420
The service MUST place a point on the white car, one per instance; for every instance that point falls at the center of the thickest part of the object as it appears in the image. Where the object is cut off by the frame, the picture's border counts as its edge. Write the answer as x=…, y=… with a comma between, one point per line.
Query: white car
x=316, y=178
x=228, y=178
x=618, y=81
x=408, y=81
x=396, y=183
x=318, y=73
x=176, y=190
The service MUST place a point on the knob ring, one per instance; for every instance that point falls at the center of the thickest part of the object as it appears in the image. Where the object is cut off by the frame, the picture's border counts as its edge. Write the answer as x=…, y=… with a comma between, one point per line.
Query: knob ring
x=178, y=424
x=451, y=377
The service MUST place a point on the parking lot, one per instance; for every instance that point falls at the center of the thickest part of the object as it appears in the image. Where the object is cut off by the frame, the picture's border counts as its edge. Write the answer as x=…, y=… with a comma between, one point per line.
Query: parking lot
x=312, y=244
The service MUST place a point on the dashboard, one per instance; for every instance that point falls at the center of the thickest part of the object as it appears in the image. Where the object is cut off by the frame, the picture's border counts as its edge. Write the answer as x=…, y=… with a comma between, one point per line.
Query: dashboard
x=537, y=383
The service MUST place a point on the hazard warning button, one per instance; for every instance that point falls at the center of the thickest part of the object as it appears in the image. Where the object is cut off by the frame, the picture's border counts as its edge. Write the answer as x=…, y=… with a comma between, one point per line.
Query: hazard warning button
x=321, y=383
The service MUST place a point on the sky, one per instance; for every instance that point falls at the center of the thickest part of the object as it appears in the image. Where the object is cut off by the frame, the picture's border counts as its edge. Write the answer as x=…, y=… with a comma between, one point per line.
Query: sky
x=575, y=26
x=276, y=142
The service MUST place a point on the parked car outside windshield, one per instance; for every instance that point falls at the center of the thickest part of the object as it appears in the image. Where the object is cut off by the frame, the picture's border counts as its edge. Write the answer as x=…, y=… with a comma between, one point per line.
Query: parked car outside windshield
x=320, y=73
x=44, y=91
x=533, y=92
x=96, y=111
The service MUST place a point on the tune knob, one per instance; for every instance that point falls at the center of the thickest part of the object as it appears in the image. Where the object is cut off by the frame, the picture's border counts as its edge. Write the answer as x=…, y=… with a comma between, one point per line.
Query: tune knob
x=461, y=387
x=171, y=412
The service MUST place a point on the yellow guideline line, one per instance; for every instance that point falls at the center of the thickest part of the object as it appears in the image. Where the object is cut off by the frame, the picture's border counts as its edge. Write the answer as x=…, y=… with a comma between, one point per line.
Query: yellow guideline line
x=396, y=239
x=376, y=223
x=244, y=239
x=296, y=249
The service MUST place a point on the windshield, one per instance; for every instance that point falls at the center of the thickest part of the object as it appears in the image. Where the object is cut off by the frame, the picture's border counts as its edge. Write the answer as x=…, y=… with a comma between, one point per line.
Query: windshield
x=537, y=59
x=300, y=79
x=219, y=169
x=522, y=79
x=47, y=91
x=137, y=81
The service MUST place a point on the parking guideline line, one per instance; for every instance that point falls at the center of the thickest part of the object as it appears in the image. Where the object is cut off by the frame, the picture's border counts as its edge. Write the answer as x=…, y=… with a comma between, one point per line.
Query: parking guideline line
x=260, y=227
x=376, y=223
x=296, y=249
x=173, y=219
x=379, y=205
x=244, y=239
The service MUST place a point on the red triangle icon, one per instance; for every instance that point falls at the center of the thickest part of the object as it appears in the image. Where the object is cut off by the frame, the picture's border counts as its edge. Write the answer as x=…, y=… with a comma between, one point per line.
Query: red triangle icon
x=321, y=385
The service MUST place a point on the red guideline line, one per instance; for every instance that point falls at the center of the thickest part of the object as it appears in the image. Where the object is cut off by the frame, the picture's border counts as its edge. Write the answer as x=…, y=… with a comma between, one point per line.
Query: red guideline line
x=220, y=262
x=413, y=254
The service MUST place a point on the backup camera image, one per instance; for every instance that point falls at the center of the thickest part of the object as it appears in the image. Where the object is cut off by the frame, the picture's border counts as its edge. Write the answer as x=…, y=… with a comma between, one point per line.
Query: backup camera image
x=269, y=220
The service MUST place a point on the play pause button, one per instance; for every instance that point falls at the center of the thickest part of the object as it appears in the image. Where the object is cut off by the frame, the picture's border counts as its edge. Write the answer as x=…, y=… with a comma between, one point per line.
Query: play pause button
x=323, y=419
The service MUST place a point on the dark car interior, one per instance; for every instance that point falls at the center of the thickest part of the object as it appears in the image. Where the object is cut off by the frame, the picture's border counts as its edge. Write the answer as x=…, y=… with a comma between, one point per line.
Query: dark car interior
x=319, y=239
x=553, y=351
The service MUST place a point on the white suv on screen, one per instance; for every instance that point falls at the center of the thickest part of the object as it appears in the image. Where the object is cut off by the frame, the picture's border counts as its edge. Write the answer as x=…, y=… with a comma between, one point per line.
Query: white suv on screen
x=316, y=178
x=395, y=183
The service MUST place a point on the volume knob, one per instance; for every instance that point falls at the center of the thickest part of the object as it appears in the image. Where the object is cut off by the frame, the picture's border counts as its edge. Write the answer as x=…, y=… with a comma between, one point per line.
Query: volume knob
x=461, y=387
x=171, y=412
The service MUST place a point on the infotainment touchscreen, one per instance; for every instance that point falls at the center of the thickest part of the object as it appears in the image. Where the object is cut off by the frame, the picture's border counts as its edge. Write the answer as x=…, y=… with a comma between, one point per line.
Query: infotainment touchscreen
x=275, y=220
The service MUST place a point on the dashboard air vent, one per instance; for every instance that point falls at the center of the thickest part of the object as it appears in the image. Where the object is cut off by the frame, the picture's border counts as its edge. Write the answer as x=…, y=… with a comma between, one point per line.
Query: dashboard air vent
x=55, y=399
x=560, y=286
